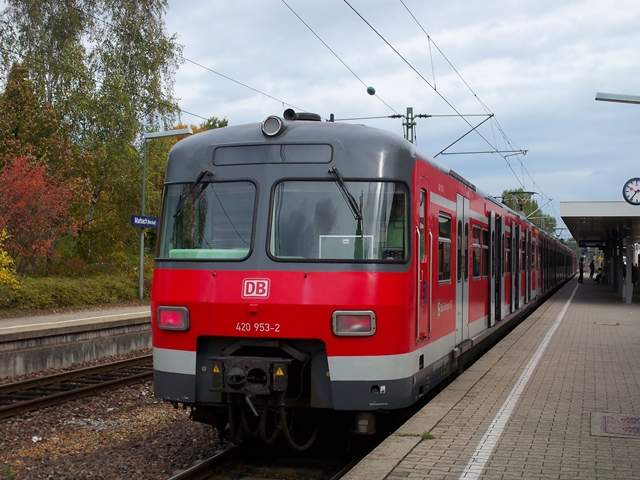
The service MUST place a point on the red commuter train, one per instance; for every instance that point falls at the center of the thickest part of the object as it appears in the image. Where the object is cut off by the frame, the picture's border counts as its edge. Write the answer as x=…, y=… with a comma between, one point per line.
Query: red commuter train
x=305, y=267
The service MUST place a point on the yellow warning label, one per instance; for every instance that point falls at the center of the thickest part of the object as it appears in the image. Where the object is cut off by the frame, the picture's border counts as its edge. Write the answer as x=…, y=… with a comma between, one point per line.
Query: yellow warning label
x=279, y=372
x=216, y=369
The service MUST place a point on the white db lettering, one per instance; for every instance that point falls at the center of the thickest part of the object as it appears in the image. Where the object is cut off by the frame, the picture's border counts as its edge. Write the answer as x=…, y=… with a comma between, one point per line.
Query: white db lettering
x=252, y=288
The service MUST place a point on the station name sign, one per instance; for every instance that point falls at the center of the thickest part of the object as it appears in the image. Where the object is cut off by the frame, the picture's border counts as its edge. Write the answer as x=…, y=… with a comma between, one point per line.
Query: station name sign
x=141, y=221
x=601, y=244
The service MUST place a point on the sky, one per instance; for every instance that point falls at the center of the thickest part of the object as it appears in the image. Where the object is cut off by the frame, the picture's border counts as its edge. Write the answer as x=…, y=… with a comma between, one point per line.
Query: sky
x=536, y=66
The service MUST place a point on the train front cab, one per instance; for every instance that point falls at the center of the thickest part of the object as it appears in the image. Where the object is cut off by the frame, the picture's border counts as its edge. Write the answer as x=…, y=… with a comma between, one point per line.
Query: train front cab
x=466, y=268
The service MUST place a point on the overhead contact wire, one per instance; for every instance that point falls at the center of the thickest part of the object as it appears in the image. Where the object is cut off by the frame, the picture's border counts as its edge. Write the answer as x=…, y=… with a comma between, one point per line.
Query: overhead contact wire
x=199, y=65
x=336, y=55
x=494, y=120
x=419, y=74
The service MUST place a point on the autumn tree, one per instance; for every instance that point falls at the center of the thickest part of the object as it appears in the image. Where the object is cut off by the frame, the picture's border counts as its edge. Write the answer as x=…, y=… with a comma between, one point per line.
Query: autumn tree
x=107, y=68
x=35, y=211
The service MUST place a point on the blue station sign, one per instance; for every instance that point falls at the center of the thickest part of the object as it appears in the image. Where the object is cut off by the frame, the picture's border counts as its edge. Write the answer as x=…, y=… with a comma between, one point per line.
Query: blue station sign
x=141, y=221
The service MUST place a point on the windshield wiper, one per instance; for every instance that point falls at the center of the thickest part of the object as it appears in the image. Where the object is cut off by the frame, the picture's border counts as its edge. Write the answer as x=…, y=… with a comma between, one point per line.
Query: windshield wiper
x=351, y=202
x=194, y=185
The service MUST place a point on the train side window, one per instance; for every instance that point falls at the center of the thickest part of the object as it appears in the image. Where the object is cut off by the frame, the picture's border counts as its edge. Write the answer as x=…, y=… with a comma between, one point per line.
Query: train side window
x=507, y=254
x=485, y=252
x=466, y=251
x=444, y=248
x=533, y=256
x=476, y=251
x=514, y=253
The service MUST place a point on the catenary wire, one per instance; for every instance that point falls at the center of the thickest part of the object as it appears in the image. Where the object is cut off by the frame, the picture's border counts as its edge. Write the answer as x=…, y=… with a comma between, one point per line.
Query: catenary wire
x=495, y=121
x=335, y=54
x=418, y=73
x=197, y=64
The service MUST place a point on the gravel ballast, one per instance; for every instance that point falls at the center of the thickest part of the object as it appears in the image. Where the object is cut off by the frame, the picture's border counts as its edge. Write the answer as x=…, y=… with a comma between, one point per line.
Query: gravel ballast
x=123, y=434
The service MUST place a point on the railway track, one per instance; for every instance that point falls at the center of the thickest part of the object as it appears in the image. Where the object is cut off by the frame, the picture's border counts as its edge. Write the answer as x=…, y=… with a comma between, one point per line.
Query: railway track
x=249, y=460
x=34, y=394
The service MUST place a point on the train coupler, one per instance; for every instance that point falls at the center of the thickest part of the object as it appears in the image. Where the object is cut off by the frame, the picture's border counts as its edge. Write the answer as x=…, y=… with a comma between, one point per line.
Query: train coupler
x=249, y=375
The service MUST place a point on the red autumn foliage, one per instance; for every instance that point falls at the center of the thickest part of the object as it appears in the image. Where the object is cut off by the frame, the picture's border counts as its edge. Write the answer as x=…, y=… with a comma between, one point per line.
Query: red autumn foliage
x=35, y=209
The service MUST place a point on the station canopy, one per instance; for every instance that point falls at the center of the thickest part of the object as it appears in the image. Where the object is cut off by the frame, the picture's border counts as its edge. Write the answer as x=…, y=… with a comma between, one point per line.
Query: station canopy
x=598, y=224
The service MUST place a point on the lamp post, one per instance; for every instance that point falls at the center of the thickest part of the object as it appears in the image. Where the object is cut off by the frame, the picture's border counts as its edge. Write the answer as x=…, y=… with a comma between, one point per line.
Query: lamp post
x=618, y=98
x=635, y=99
x=147, y=136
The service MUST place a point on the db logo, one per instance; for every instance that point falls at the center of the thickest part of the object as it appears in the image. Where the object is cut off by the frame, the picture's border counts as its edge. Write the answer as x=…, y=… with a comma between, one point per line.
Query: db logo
x=255, y=287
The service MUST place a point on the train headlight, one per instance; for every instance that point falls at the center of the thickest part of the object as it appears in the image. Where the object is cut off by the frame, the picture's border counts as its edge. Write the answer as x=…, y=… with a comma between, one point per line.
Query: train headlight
x=173, y=318
x=273, y=126
x=358, y=323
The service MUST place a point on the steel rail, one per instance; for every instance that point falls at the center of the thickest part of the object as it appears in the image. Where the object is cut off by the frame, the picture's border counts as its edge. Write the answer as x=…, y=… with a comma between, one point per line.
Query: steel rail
x=236, y=462
x=36, y=393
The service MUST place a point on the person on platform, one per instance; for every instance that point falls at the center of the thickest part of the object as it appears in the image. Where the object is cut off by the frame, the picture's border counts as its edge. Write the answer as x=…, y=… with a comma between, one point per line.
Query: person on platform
x=581, y=267
x=592, y=268
x=602, y=273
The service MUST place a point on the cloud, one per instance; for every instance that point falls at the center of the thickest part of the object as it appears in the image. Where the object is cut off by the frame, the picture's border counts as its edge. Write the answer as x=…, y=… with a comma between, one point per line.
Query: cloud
x=536, y=66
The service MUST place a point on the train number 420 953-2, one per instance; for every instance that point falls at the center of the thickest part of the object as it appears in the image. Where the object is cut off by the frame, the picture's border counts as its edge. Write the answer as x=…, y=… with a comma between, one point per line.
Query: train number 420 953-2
x=258, y=327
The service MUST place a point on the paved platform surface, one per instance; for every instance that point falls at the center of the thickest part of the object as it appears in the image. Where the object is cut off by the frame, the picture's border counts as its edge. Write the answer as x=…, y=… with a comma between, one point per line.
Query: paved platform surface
x=558, y=398
x=70, y=319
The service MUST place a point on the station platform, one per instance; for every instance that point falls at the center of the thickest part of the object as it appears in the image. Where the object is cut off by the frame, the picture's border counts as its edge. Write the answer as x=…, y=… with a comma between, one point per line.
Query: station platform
x=31, y=344
x=558, y=398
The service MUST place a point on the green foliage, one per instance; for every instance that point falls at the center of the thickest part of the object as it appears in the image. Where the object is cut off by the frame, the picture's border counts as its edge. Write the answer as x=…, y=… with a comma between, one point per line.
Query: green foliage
x=211, y=123
x=49, y=292
x=29, y=127
x=519, y=200
x=8, y=473
x=573, y=245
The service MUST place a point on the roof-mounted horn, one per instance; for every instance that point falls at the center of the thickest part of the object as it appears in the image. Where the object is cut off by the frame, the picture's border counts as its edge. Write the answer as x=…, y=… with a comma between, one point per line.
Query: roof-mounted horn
x=290, y=114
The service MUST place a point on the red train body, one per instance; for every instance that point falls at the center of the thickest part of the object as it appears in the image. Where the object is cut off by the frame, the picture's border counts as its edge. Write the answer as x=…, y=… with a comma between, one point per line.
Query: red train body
x=314, y=266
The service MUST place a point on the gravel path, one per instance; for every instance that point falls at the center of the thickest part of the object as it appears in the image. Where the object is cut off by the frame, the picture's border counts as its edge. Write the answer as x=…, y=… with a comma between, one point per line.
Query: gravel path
x=117, y=435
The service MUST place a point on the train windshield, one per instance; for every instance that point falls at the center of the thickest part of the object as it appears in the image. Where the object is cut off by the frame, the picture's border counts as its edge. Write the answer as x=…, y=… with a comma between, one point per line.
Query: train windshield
x=213, y=221
x=313, y=220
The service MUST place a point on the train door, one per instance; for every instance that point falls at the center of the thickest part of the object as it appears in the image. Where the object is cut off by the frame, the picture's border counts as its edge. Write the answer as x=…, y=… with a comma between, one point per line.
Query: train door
x=501, y=259
x=529, y=270
x=517, y=266
x=492, y=269
x=496, y=267
x=425, y=279
x=462, y=268
x=513, y=269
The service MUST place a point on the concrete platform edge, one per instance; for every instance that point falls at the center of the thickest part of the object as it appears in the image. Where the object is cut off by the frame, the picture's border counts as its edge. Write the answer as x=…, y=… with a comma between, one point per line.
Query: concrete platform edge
x=382, y=461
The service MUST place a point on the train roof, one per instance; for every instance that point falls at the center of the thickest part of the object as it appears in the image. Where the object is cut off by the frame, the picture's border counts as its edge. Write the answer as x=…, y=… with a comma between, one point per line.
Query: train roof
x=302, y=128
x=357, y=141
